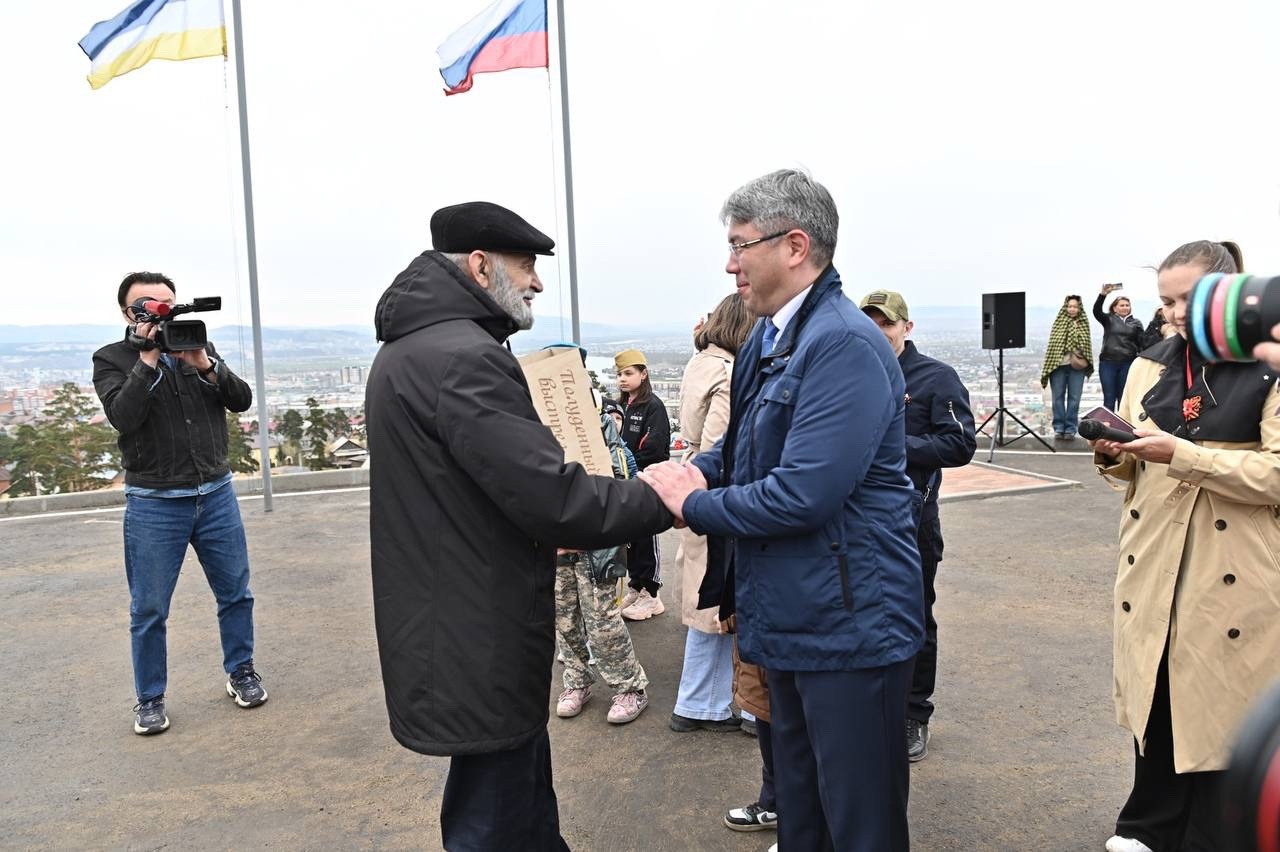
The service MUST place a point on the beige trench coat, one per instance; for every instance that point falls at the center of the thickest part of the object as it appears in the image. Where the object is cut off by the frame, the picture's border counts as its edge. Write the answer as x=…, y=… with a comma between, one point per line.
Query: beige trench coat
x=704, y=416
x=1200, y=565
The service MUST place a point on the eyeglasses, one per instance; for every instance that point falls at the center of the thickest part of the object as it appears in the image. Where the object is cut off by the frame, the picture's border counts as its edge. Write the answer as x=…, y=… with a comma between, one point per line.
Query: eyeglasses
x=736, y=249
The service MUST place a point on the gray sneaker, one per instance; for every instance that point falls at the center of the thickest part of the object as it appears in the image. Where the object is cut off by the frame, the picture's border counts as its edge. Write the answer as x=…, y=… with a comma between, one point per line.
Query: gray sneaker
x=149, y=717
x=245, y=686
x=917, y=740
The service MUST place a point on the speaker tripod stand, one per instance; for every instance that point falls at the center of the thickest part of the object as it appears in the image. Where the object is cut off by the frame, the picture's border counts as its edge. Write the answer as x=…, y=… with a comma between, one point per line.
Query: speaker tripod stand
x=997, y=435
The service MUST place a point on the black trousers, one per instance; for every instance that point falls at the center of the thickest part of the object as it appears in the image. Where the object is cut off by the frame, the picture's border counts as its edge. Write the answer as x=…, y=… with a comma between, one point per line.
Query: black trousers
x=840, y=760
x=1167, y=811
x=644, y=570
x=502, y=801
x=925, y=676
x=768, y=797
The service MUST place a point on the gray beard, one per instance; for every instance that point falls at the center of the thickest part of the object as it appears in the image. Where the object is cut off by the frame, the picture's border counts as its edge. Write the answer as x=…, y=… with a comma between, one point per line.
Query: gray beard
x=510, y=299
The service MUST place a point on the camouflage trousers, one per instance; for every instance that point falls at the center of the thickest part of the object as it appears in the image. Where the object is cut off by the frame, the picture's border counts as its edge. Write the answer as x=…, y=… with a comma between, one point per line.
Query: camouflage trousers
x=589, y=613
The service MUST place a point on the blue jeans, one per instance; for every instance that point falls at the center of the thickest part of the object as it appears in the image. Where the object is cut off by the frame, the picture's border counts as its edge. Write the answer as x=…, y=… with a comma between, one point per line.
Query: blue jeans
x=1066, y=383
x=1113, y=375
x=706, y=681
x=157, y=531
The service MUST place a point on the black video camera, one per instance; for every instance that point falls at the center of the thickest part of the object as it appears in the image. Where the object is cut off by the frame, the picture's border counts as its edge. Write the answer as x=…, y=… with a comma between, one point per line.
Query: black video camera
x=1228, y=315
x=171, y=335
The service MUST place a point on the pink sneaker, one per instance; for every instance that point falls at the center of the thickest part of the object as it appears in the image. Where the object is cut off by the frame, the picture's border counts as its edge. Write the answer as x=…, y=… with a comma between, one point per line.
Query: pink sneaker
x=571, y=702
x=627, y=706
x=646, y=606
x=629, y=598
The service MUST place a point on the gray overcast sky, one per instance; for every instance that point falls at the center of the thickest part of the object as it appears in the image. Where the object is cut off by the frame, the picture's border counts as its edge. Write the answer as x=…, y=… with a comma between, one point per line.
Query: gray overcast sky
x=971, y=147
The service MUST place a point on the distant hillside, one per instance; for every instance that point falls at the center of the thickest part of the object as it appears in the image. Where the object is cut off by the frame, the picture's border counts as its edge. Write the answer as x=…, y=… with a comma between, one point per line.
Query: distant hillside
x=68, y=347
x=960, y=318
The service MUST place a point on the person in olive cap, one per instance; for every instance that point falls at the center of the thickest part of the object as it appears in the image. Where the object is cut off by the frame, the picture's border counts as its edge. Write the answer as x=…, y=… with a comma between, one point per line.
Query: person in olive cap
x=470, y=496
x=940, y=434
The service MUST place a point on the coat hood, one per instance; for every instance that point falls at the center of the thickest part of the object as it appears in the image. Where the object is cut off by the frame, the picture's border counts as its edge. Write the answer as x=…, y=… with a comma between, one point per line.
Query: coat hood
x=431, y=290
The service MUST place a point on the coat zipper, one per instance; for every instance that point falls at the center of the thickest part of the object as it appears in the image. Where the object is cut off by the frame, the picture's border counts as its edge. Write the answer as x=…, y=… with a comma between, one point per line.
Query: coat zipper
x=1204, y=377
x=845, y=594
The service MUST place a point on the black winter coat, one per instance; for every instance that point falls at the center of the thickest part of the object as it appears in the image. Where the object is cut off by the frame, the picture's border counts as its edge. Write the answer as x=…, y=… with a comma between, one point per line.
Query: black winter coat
x=469, y=497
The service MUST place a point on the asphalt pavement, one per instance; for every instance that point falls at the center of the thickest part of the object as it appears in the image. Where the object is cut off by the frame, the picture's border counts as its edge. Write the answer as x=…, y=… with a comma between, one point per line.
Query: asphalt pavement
x=1024, y=752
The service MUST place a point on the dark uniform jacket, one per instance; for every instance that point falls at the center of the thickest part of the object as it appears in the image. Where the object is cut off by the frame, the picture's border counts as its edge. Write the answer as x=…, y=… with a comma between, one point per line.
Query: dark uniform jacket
x=940, y=433
x=470, y=496
x=647, y=430
x=940, y=429
x=172, y=423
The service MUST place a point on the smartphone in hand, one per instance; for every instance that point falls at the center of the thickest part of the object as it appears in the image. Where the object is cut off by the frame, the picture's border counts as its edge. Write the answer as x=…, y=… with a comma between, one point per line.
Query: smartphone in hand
x=1110, y=418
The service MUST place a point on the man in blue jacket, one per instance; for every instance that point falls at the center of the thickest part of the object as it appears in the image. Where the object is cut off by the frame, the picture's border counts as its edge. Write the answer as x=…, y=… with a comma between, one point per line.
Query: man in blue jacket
x=940, y=434
x=810, y=484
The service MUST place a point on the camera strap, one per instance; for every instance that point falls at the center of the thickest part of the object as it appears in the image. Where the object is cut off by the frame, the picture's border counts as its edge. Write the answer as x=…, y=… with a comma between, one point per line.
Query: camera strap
x=137, y=341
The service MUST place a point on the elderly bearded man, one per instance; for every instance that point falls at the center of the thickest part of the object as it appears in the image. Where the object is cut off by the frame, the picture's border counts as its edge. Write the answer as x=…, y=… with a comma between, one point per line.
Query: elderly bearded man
x=470, y=496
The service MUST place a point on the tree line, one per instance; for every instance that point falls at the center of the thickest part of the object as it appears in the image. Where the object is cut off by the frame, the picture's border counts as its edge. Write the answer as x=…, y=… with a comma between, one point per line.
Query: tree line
x=65, y=452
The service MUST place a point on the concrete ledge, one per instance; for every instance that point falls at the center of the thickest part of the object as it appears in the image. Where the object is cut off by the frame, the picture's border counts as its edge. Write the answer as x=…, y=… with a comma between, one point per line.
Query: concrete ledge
x=285, y=483
x=280, y=484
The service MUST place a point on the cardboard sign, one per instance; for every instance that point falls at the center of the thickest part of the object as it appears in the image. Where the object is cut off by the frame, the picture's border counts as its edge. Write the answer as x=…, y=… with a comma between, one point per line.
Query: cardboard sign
x=561, y=391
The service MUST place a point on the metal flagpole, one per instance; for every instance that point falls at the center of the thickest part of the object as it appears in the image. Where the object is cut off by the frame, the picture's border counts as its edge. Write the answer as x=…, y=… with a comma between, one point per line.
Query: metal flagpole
x=570, y=241
x=264, y=441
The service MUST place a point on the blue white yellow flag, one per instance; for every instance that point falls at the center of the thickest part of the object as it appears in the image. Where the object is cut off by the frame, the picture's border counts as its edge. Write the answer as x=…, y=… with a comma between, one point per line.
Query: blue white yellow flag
x=154, y=29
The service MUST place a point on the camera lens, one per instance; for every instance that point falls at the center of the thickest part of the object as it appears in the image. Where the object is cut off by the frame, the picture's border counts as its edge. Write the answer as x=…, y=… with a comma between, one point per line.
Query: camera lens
x=181, y=336
x=1228, y=315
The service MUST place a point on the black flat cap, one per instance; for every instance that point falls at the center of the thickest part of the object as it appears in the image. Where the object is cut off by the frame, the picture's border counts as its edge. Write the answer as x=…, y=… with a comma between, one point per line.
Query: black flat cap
x=482, y=226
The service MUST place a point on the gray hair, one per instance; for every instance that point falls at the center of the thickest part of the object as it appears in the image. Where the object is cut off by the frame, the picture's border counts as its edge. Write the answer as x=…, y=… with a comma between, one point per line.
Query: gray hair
x=459, y=260
x=784, y=200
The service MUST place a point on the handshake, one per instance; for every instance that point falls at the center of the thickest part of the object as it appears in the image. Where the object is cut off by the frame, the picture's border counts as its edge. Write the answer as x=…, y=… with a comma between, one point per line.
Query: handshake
x=674, y=482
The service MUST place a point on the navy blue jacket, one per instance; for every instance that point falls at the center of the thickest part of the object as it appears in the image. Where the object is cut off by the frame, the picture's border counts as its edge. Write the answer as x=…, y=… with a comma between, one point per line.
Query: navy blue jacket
x=940, y=429
x=810, y=483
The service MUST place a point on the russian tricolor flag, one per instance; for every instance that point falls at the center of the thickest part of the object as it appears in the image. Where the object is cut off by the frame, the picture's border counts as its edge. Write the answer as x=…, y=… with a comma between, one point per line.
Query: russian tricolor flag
x=508, y=34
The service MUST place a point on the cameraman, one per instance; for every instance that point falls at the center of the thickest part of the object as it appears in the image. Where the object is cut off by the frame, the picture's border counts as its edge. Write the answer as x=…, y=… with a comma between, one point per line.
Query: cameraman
x=1270, y=352
x=170, y=410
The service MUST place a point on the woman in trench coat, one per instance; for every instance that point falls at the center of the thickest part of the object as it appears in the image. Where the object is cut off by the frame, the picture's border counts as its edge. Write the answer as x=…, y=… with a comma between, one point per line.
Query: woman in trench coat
x=706, y=682
x=1197, y=595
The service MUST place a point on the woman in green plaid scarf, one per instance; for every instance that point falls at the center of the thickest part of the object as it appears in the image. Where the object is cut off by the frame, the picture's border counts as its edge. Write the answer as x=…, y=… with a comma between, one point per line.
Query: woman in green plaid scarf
x=1068, y=359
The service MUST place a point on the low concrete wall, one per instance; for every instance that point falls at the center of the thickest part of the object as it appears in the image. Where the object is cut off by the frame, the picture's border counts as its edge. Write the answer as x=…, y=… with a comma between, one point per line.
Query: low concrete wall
x=280, y=484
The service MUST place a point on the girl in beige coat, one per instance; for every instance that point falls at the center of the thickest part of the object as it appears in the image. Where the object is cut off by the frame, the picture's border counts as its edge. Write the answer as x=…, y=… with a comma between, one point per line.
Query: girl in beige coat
x=706, y=682
x=1197, y=595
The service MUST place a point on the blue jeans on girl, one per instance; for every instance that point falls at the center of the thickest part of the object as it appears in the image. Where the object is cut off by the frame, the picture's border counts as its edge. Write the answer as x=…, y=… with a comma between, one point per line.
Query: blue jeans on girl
x=706, y=680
